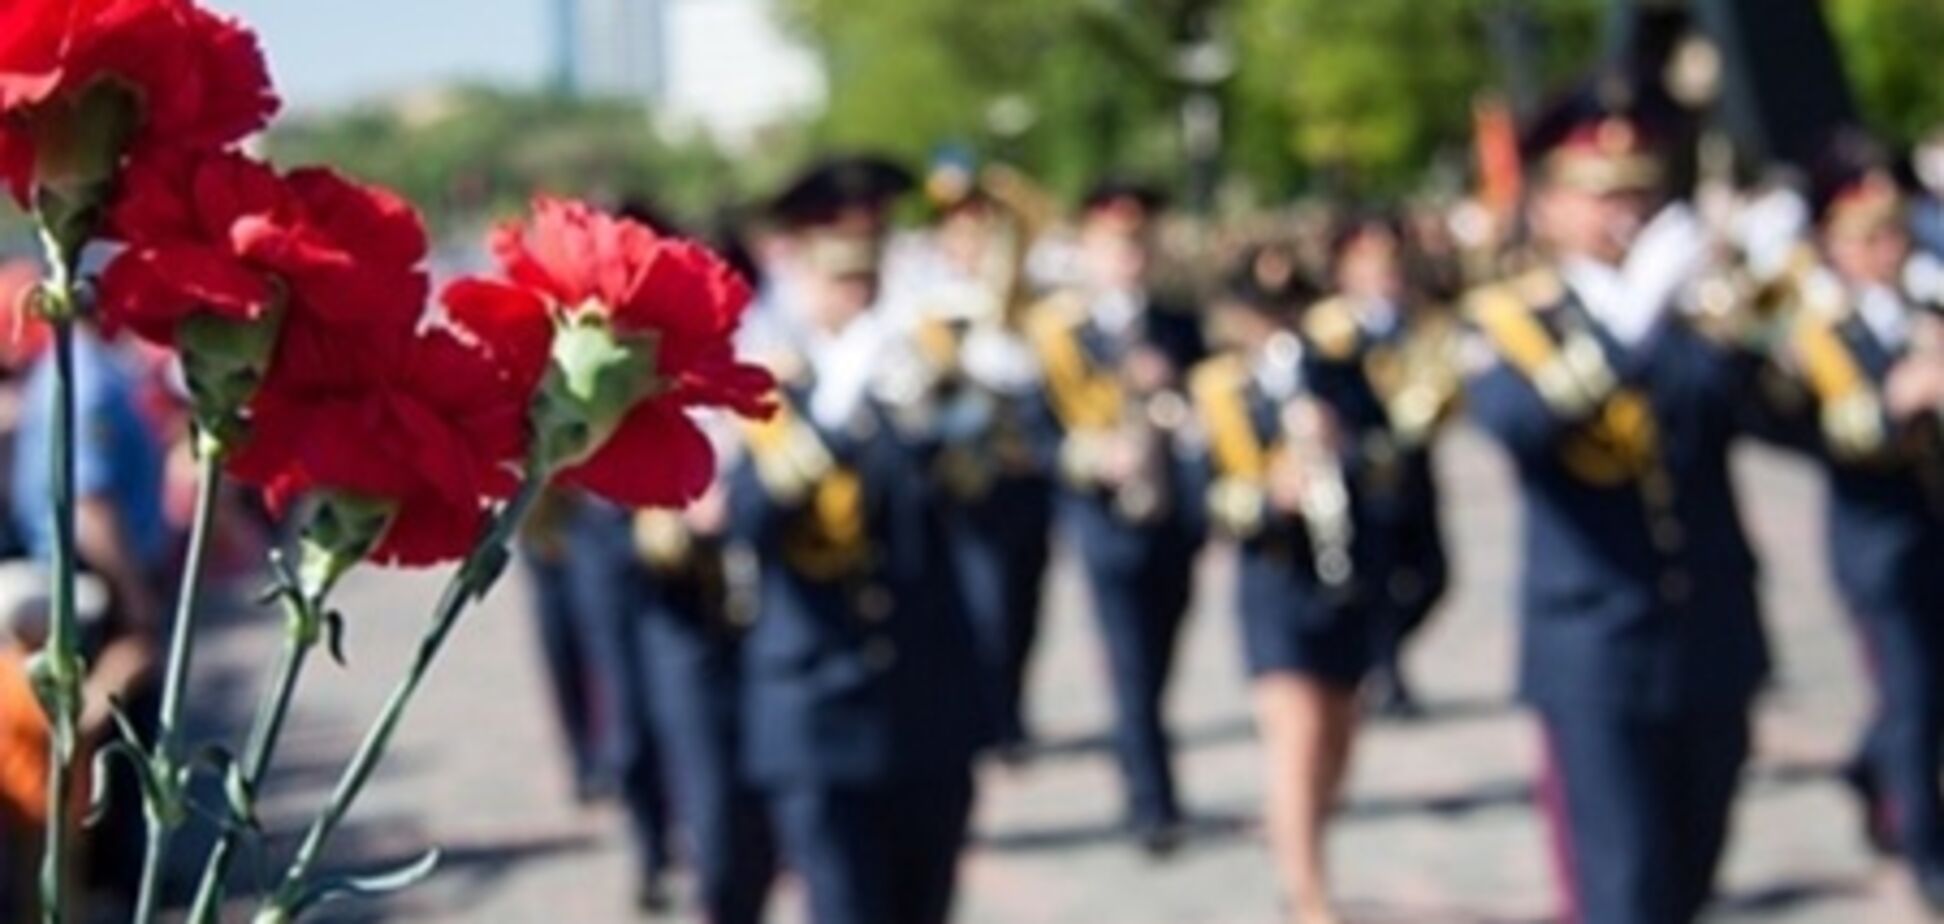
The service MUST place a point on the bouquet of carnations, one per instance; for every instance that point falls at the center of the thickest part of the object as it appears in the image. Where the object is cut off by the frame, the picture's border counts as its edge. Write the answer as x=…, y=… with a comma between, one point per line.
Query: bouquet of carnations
x=296, y=303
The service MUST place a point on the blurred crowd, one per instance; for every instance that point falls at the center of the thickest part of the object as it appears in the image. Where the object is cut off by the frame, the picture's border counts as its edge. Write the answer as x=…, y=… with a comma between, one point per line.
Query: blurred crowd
x=801, y=672
x=134, y=487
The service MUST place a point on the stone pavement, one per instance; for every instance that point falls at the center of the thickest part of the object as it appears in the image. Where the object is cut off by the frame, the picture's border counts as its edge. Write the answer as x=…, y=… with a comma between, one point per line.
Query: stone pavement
x=1439, y=829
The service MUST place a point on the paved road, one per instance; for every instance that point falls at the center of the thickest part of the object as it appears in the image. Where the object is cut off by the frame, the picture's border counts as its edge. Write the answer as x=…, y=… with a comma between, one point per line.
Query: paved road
x=1440, y=826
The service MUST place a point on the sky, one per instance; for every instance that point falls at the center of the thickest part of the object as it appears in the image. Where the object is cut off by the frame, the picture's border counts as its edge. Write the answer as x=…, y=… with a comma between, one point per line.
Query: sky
x=328, y=52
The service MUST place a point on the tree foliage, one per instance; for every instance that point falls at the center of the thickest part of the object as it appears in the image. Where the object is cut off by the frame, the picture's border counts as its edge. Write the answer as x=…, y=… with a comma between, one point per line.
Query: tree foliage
x=469, y=153
x=1891, y=50
x=1366, y=92
x=1359, y=94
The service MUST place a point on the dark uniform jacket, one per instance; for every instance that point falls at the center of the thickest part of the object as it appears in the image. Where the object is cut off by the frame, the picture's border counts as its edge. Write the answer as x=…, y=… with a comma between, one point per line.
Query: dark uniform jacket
x=1639, y=584
x=859, y=668
x=1886, y=516
x=1081, y=363
x=1391, y=392
x=1241, y=423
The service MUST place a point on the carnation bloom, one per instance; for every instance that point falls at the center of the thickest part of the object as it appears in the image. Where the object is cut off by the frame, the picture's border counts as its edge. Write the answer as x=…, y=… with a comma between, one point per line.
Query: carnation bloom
x=217, y=233
x=431, y=437
x=629, y=328
x=196, y=80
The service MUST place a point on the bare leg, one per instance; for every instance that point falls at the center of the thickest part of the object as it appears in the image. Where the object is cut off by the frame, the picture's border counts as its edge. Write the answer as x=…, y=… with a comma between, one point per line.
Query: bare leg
x=1307, y=729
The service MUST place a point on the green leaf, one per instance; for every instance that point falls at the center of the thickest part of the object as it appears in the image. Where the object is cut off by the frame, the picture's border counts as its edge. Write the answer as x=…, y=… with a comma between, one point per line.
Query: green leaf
x=334, y=637
x=376, y=885
x=98, y=783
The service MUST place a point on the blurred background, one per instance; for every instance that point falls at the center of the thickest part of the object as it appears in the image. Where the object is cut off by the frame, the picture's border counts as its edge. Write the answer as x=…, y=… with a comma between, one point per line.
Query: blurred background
x=467, y=105
x=1239, y=108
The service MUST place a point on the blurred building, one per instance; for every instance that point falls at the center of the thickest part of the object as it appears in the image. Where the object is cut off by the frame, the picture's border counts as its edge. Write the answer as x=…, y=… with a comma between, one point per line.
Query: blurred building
x=724, y=67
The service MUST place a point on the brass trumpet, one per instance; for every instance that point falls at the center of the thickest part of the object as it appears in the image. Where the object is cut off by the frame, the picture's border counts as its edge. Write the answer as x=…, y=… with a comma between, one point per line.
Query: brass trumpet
x=1310, y=444
x=1150, y=417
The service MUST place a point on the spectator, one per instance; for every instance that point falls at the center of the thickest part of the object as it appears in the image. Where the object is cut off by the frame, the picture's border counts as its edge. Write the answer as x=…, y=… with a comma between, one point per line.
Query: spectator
x=120, y=537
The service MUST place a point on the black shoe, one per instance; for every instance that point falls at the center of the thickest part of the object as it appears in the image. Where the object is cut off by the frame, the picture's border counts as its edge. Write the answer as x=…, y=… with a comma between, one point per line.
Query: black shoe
x=652, y=897
x=1013, y=753
x=1159, y=840
x=1878, y=829
x=1391, y=696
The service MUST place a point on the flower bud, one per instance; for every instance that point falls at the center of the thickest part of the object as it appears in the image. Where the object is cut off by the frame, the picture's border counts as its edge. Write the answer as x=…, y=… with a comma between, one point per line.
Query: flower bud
x=78, y=144
x=223, y=362
x=342, y=531
x=595, y=377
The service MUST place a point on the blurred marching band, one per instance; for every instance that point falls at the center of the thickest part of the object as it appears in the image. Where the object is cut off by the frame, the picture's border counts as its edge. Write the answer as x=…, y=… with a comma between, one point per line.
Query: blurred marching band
x=807, y=665
x=802, y=670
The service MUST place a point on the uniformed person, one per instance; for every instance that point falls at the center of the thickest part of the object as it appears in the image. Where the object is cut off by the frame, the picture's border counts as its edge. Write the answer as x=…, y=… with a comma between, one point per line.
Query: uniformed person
x=1869, y=343
x=962, y=298
x=607, y=592
x=1114, y=358
x=1641, y=644
x=849, y=192
x=1281, y=486
x=700, y=598
x=544, y=552
x=1390, y=360
x=863, y=706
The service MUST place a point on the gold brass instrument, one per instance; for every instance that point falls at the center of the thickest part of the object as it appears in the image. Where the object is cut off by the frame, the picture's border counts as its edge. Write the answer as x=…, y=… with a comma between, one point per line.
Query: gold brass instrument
x=977, y=445
x=726, y=571
x=1150, y=417
x=1419, y=380
x=1103, y=412
x=1308, y=439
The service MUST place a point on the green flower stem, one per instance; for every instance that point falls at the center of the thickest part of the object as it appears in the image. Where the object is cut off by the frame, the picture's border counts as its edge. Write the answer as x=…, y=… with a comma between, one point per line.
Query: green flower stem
x=300, y=638
x=60, y=668
x=166, y=812
x=475, y=577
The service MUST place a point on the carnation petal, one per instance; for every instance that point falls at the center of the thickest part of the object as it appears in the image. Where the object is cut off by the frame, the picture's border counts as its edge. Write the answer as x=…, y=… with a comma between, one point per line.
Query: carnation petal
x=657, y=458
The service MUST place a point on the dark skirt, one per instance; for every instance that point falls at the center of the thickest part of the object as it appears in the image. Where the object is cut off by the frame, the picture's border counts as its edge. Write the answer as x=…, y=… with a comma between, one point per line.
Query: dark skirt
x=1293, y=625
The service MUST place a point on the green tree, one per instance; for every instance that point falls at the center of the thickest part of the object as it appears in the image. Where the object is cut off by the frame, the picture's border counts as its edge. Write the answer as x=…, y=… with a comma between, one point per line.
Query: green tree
x=1371, y=90
x=1890, y=49
x=1378, y=85
x=1084, y=82
x=467, y=154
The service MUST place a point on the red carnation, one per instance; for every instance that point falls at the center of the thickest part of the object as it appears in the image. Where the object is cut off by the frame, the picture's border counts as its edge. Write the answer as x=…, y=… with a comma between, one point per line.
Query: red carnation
x=665, y=295
x=434, y=436
x=199, y=79
x=219, y=233
x=183, y=217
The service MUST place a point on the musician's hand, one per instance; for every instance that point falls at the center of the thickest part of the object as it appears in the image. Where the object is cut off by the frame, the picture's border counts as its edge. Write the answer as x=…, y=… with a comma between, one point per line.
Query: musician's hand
x=1914, y=387
x=1121, y=458
x=1149, y=370
x=709, y=515
x=1287, y=485
x=1927, y=335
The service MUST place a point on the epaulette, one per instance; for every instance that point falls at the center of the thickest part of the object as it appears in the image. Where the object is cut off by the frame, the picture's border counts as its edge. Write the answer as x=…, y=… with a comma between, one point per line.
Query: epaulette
x=1505, y=313
x=1541, y=288
x=1056, y=314
x=1217, y=386
x=1572, y=374
x=1236, y=498
x=1216, y=373
x=1330, y=328
x=1852, y=414
x=1535, y=290
x=1083, y=397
